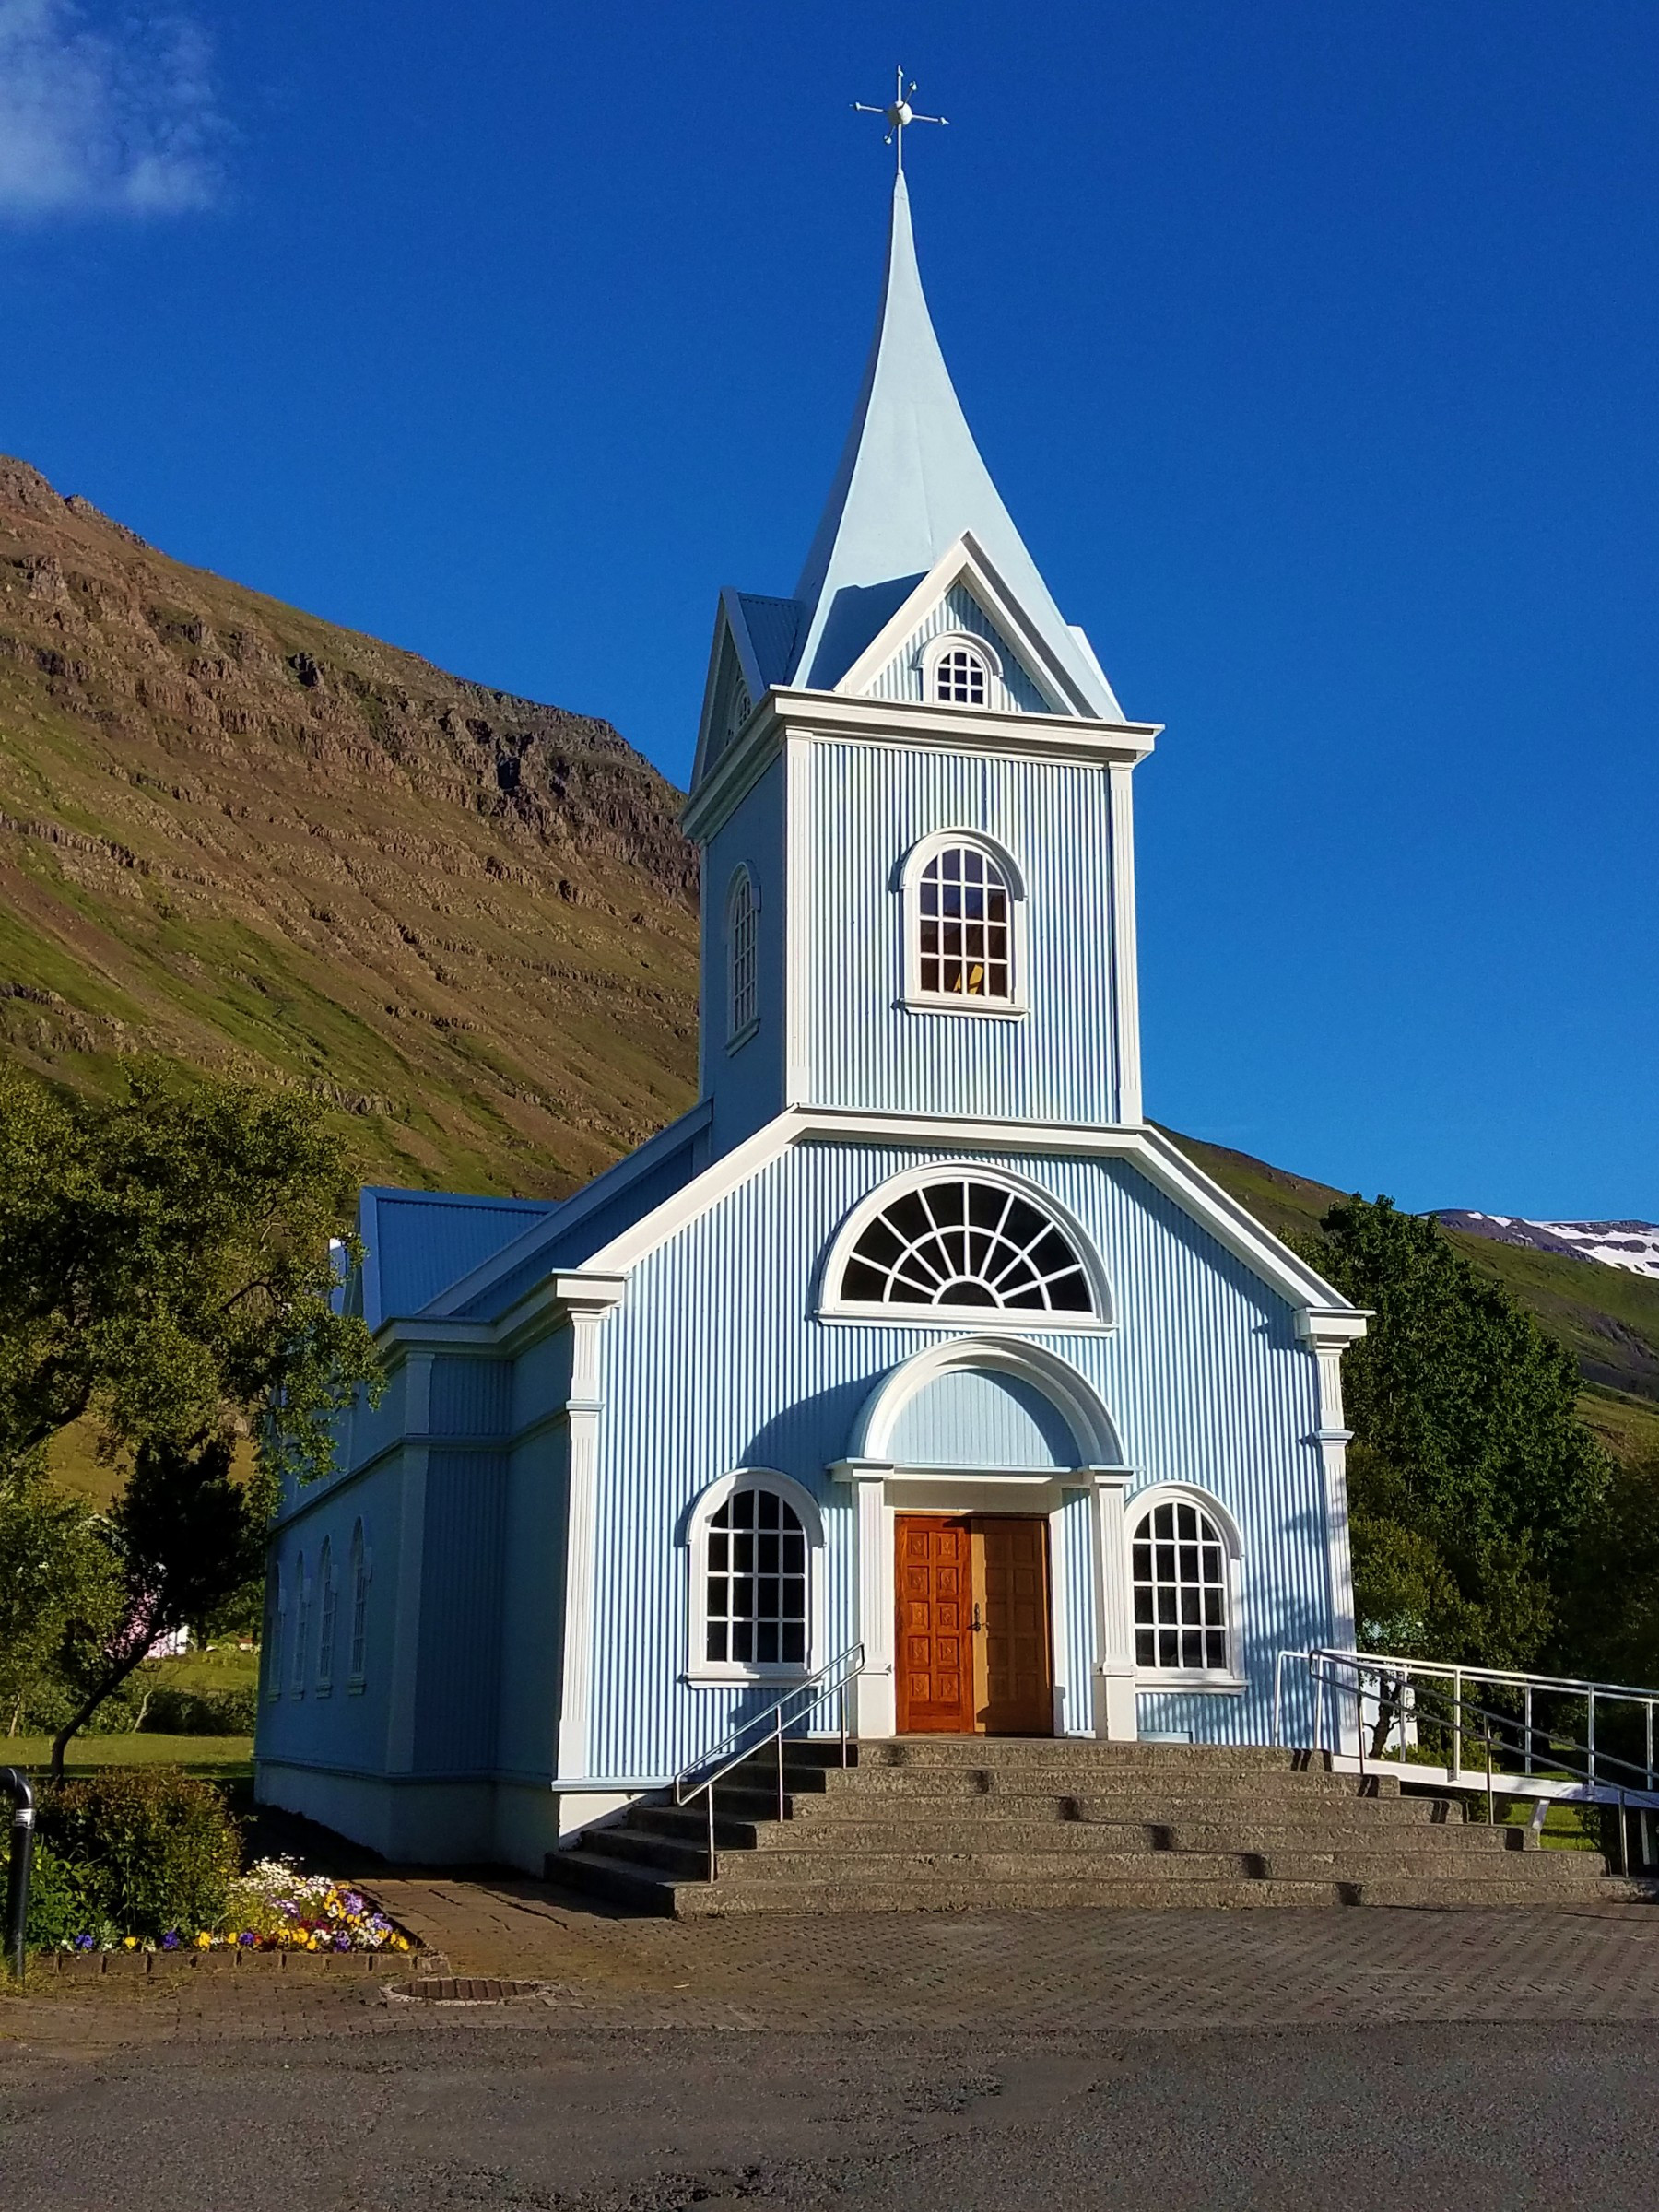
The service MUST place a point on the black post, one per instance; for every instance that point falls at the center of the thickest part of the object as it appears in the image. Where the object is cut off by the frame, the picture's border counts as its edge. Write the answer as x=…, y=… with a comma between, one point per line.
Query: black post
x=22, y=1852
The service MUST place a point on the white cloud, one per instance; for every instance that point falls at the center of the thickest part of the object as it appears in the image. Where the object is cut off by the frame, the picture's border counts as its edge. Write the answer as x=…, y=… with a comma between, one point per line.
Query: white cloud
x=103, y=121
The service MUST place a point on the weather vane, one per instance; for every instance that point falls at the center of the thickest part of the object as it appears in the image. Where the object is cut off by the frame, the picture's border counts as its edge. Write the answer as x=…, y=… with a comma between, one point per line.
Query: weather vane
x=900, y=115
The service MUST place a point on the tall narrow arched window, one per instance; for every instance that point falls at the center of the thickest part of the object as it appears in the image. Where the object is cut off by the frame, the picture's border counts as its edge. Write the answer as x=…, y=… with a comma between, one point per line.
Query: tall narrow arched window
x=327, y=1616
x=360, y=1607
x=302, y=1624
x=1183, y=1562
x=272, y=1654
x=743, y=992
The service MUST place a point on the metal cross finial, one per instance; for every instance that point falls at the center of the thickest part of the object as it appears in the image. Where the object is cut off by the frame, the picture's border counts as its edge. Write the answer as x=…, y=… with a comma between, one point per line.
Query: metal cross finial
x=900, y=115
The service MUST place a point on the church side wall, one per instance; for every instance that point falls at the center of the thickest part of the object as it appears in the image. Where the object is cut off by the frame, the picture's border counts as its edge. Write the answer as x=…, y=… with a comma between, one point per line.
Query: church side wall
x=716, y=1361
x=871, y=805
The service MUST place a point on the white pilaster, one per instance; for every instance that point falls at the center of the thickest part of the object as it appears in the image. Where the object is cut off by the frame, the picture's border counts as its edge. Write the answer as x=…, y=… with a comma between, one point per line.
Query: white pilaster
x=796, y=918
x=1126, y=978
x=586, y=1302
x=1115, y=1714
x=875, y=1705
x=1328, y=1335
x=401, y=1714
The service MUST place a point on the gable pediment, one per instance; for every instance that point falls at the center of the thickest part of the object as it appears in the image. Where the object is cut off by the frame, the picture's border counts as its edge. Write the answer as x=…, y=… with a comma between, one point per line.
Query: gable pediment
x=964, y=596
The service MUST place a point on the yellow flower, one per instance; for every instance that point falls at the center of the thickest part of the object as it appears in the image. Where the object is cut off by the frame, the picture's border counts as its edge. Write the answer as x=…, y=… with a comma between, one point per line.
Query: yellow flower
x=203, y=1942
x=129, y=1943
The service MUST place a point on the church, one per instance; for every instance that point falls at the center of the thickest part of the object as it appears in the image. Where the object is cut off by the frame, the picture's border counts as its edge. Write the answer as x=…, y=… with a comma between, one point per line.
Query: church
x=913, y=1373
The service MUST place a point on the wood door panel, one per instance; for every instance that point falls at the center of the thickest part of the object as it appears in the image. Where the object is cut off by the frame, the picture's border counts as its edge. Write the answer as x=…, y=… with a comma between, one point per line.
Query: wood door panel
x=1018, y=1697
x=935, y=1617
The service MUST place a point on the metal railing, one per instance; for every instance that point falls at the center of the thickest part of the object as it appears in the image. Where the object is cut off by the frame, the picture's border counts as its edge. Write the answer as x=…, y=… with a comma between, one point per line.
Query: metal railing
x=1419, y=1693
x=831, y=1680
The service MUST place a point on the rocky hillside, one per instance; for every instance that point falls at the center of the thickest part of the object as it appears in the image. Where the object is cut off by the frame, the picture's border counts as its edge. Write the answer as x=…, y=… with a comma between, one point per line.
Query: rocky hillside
x=1633, y=1245
x=236, y=834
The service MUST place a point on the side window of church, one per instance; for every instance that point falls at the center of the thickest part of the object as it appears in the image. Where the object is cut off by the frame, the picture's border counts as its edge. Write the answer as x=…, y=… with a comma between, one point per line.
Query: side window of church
x=1181, y=1609
x=755, y=1582
x=743, y=1006
x=964, y=946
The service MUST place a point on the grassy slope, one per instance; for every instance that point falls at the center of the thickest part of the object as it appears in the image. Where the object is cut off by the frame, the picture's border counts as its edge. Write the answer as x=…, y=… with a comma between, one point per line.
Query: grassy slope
x=1609, y=1320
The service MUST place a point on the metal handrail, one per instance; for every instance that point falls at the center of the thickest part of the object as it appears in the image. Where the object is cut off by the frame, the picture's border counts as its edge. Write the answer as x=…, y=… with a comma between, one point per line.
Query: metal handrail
x=845, y=1667
x=1361, y=1674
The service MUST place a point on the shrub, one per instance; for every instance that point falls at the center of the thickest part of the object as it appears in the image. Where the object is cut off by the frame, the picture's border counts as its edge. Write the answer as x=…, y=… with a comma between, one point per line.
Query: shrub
x=157, y=1850
x=62, y=1904
x=200, y=1713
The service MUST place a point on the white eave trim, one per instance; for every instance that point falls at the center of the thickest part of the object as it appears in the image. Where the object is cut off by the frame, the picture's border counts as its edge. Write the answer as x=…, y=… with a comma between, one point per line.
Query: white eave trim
x=904, y=721
x=1162, y=1162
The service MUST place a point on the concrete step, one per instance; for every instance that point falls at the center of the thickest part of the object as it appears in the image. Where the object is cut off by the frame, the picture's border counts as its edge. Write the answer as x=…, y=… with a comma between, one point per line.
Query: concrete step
x=1054, y=1777
x=1014, y=1751
x=1073, y=1855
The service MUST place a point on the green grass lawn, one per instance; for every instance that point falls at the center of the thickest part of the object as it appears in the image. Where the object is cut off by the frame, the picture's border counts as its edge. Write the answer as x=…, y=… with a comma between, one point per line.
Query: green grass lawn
x=224, y=1758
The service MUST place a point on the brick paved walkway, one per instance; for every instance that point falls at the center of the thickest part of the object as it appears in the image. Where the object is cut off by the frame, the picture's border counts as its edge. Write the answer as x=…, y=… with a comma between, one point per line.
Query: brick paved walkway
x=1083, y=1970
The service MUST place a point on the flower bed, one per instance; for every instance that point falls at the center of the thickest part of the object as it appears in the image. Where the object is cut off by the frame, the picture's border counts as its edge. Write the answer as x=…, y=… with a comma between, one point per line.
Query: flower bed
x=273, y=1907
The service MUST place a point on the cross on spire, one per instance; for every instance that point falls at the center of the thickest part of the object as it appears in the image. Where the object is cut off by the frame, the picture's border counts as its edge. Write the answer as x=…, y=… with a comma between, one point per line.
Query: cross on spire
x=899, y=113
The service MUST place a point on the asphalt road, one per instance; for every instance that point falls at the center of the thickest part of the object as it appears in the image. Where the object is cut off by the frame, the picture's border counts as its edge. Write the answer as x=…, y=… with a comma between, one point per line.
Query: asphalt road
x=510, y=2111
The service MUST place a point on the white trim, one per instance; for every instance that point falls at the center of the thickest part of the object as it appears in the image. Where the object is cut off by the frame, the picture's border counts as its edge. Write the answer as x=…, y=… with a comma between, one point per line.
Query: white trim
x=707, y=1673
x=1125, y=969
x=1328, y=1335
x=1070, y=1392
x=1136, y=1507
x=582, y=1408
x=1147, y=1147
x=965, y=562
x=832, y=1306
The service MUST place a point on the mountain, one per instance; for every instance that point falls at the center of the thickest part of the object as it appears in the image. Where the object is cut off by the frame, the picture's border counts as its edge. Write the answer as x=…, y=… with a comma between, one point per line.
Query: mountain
x=234, y=833
x=240, y=836
x=1631, y=1244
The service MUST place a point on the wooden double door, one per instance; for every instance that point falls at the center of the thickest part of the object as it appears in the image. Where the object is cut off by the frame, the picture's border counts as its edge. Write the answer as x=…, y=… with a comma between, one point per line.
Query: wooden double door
x=974, y=1649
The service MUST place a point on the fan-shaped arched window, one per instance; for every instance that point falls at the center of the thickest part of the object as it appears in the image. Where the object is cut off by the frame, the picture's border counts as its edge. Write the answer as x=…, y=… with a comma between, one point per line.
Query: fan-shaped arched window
x=964, y=927
x=961, y=1243
x=961, y=678
x=743, y=995
x=327, y=1616
x=1181, y=1568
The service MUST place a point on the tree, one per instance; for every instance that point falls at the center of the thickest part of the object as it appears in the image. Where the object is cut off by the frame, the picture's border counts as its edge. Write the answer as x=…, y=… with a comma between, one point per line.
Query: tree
x=55, y=1570
x=1472, y=1478
x=166, y=1270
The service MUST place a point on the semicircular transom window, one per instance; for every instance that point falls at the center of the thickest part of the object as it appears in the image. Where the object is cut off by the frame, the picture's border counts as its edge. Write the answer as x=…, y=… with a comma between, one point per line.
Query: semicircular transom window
x=965, y=1244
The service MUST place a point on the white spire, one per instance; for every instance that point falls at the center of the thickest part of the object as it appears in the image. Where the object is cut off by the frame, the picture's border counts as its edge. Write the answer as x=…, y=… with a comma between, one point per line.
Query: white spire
x=909, y=483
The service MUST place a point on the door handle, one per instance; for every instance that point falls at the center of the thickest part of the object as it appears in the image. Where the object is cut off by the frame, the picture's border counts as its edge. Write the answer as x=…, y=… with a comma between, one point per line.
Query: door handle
x=973, y=1626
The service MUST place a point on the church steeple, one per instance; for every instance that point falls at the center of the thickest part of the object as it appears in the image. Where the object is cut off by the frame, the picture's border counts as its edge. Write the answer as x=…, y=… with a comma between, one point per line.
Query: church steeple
x=910, y=483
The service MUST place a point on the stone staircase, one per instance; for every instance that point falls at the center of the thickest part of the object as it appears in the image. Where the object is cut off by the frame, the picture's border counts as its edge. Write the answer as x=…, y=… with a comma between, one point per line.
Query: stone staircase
x=953, y=1824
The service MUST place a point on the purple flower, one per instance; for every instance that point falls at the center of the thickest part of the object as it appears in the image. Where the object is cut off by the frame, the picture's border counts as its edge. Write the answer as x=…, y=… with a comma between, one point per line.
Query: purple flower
x=170, y=1942
x=247, y=1936
x=342, y=1943
x=354, y=1903
x=83, y=1942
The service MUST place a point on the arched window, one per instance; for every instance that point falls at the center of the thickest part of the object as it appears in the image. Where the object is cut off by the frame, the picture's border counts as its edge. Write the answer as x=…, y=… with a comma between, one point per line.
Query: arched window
x=272, y=1632
x=965, y=1243
x=962, y=677
x=302, y=1624
x=327, y=1614
x=743, y=1000
x=1182, y=1568
x=964, y=927
x=752, y=1541
x=360, y=1607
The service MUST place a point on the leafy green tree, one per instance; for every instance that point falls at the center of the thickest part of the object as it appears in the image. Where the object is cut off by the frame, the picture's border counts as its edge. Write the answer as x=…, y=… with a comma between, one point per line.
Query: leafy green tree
x=56, y=1571
x=1473, y=1480
x=166, y=1271
x=1613, y=1603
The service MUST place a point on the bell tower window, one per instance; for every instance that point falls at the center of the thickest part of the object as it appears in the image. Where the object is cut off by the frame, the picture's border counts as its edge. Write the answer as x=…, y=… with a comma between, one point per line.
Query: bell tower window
x=961, y=678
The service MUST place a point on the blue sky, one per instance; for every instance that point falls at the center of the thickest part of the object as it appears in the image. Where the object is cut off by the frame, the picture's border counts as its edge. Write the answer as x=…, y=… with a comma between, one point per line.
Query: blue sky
x=1313, y=349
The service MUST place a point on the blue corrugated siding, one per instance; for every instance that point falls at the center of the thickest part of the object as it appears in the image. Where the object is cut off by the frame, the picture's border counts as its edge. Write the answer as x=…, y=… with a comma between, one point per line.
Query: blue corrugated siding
x=747, y=1086
x=871, y=805
x=471, y=1397
x=714, y=1362
x=901, y=678
x=969, y=1419
x=458, y=1678
x=775, y=627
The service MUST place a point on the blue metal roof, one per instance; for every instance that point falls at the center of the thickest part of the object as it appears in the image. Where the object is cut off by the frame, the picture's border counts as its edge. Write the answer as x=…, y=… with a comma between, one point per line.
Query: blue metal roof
x=774, y=629
x=910, y=483
x=417, y=1242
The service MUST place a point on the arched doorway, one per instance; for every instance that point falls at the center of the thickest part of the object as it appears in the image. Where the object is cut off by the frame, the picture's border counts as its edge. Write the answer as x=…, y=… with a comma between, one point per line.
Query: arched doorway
x=978, y=1465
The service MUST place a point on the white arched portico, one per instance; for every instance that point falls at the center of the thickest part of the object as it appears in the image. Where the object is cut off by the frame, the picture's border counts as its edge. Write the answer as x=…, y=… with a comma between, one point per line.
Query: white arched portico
x=990, y=1425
